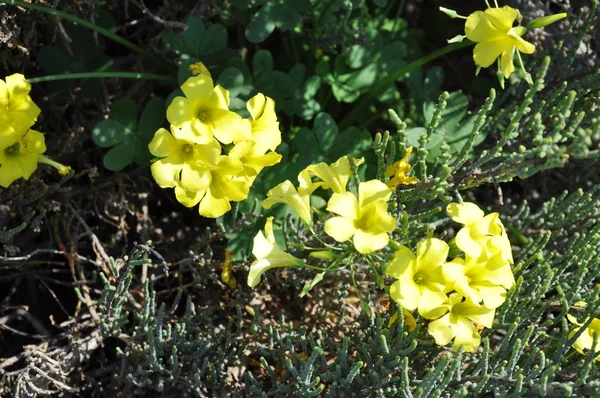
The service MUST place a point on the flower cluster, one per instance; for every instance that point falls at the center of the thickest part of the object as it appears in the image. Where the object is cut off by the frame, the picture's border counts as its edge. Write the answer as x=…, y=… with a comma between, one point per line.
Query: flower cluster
x=211, y=156
x=21, y=148
x=459, y=296
x=585, y=342
x=360, y=217
x=497, y=38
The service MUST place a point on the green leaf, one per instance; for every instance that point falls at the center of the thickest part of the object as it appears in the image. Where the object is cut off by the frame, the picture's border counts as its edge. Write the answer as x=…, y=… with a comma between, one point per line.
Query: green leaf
x=354, y=142
x=213, y=39
x=310, y=285
x=120, y=156
x=109, y=132
x=262, y=64
x=284, y=16
x=153, y=117
x=381, y=3
x=124, y=112
x=260, y=26
x=326, y=131
x=129, y=138
x=192, y=36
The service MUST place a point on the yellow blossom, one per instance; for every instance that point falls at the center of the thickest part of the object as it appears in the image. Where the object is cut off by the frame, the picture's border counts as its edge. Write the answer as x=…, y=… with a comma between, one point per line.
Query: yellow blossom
x=204, y=112
x=20, y=155
x=268, y=255
x=298, y=199
x=225, y=186
x=495, y=35
x=336, y=175
x=181, y=162
x=365, y=219
x=485, y=282
x=16, y=106
x=482, y=236
x=264, y=127
x=458, y=323
x=583, y=344
x=399, y=170
x=421, y=283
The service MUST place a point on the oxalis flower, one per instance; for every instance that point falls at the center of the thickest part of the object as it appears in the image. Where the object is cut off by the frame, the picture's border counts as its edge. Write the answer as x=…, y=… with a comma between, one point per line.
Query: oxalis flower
x=298, y=199
x=365, y=219
x=461, y=323
x=585, y=342
x=482, y=236
x=485, y=282
x=268, y=255
x=495, y=36
x=204, y=112
x=16, y=106
x=421, y=283
x=336, y=175
x=398, y=171
x=181, y=162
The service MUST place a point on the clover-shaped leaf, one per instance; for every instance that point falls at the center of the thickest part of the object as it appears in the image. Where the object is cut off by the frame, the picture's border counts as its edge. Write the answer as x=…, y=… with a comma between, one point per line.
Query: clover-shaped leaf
x=128, y=137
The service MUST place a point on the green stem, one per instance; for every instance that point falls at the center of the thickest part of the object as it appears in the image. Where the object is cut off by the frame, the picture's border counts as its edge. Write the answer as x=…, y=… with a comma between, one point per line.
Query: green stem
x=381, y=87
x=96, y=75
x=89, y=25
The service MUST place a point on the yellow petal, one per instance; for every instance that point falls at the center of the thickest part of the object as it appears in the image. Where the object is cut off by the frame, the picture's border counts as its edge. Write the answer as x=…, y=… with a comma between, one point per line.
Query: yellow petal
x=371, y=191
x=465, y=212
x=431, y=304
x=403, y=263
x=339, y=228
x=486, y=52
x=507, y=63
x=466, y=334
x=465, y=242
x=502, y=18
x=406, y=293
x=344, y=204
x=441, y=330
x=194, y=178
x=188, y=198
x=368, y=241
x=163, y=144
x=431, y=253
x=198, y=89
x=180, y=112
x=479, y=28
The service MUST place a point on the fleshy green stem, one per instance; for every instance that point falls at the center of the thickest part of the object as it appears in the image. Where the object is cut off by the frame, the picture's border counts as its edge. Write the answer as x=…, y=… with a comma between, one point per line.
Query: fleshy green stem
x=89, y=25
x=381, y=87
x=96, y=75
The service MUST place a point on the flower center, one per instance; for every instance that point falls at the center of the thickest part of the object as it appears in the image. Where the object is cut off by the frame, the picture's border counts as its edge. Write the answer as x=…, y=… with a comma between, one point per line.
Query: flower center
x=202, y=116
x=13, y=150
x=187, y=148
x=418, y=278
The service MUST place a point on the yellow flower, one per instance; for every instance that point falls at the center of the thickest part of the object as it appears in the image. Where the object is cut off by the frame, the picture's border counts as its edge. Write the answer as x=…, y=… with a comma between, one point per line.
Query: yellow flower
x=20, y=155
x=336, y=175
x=264, y=127
x=365, y=218
x=253, y=158
x=225, y=186
x=481, y=281
x=585, y=341
x=458, y=323
x=16, y=106
x=182, y=163
x=495, y=36
x=399, y=170
x=268, y=255
x=204, y=112
x=421, y=283
x=298, y=199
x=482, y=236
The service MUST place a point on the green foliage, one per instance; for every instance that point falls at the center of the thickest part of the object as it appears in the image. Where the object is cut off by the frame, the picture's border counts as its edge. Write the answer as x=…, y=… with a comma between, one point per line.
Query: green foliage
x=128, y=137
